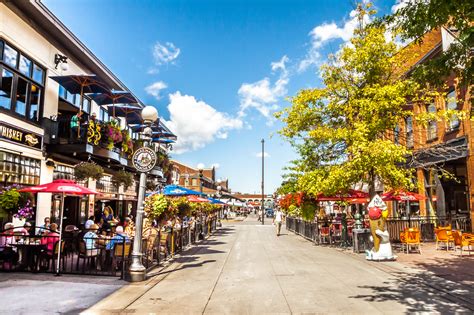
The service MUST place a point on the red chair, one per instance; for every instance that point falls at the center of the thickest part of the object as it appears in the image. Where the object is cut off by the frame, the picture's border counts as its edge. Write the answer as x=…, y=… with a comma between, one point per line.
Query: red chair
x=325, y=233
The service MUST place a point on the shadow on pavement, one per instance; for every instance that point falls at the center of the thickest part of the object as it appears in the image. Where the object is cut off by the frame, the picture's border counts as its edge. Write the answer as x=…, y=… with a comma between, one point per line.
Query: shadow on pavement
x=184, y=266
x=421, y=293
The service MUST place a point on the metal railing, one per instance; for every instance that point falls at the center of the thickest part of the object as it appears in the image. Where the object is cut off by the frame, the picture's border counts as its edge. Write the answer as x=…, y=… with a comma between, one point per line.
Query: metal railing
x=427, y=224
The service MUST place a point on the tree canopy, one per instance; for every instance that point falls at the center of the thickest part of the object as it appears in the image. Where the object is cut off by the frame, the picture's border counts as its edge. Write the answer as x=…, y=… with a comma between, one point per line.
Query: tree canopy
x=342, y=127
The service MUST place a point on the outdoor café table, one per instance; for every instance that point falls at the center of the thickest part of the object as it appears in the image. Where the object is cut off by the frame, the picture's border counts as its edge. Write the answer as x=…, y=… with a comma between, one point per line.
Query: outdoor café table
x=30, y=253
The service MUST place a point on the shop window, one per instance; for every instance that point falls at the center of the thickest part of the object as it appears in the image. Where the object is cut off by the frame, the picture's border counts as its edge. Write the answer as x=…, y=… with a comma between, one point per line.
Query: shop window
x=106, y=185
x=63, y=172
x=409, y=131
x=21, y=96
x=103, y=114
x=38, y=74
x=35, y=97
x=10, y=55
x=432, y=124
x=21, y=83
x=6, y=89
x=194, y=182
x=17, y=169
x=451, y=104
x=25, y=66
x=86, y=105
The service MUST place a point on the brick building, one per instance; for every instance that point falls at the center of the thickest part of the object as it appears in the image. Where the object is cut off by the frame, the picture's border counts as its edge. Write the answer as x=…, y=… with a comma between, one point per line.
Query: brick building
x=440, y=144
x=190, y=177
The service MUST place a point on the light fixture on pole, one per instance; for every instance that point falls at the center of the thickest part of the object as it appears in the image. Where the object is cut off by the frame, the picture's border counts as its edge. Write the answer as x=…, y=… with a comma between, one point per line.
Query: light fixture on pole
x=144, y=160
x=61, y=59
x=200, y=169
x=263, y=181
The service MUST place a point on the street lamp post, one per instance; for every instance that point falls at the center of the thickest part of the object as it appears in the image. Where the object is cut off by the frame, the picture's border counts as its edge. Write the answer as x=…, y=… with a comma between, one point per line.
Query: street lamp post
x=263, y=181
x=144, y=161
x=200, y=169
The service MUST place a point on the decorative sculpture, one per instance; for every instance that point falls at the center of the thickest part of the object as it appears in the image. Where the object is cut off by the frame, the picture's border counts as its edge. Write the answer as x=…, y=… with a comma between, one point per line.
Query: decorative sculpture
x=378, y=214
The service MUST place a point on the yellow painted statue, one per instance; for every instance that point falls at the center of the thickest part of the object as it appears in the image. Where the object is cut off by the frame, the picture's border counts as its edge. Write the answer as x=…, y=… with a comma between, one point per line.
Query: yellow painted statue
x=378, y=214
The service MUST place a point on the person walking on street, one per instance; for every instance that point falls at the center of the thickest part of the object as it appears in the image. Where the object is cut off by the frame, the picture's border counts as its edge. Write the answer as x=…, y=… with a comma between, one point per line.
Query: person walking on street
x=277, y=220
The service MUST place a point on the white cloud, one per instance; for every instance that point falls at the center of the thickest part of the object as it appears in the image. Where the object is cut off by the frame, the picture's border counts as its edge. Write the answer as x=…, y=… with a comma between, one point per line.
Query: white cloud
x=265, y=154
x=399, y=4
x=155, y=88
x=196, y=123
x=324, y=33
x=262, y=95
x=165, y=53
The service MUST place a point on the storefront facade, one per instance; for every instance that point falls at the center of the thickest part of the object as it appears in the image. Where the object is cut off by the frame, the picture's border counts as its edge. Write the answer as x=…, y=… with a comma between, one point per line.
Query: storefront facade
x=34, y=146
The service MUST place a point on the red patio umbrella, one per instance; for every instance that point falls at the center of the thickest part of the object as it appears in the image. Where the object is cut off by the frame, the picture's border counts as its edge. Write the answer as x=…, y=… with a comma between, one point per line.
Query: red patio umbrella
x=346, y=196
x=194, y=198
x=402, y=195
x=63, y=187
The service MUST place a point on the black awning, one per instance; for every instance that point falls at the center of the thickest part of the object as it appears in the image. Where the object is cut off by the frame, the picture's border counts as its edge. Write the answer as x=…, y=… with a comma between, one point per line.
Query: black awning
x=449, y=151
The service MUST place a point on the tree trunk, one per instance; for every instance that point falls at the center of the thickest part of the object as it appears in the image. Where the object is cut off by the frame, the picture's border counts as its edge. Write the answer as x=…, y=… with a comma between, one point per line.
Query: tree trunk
x=371, y=184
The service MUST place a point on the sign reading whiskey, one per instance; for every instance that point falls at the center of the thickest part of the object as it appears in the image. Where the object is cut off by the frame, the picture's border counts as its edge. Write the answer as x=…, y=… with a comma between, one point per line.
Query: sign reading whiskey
x=20, y=136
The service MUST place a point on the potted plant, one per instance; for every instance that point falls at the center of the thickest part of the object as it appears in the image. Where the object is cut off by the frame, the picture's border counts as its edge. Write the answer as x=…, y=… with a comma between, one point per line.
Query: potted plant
x=113, y=134
x=127, y=143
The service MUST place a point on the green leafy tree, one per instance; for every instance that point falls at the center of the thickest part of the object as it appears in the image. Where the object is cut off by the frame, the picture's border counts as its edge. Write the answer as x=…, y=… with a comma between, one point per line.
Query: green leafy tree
x=342, y=127
x=416, y=18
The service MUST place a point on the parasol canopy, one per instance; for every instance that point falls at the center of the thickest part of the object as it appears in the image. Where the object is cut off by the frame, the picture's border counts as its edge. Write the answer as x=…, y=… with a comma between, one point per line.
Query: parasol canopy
x=216, y=201
x=82, y=84
x=60, y=186
x=175, y=190
x=63, y=187
x=345, y=196
x=402, y=195
x=194, y=198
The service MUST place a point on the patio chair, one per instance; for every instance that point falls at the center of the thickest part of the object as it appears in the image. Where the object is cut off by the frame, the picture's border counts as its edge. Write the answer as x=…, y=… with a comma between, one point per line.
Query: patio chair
x=403, y=239
x=461, y=240
x=120, y=255
x=164, y=244
x=445, y=236
x=51, y=257
x=413, y=238
x=87, y=255
x=325, y=234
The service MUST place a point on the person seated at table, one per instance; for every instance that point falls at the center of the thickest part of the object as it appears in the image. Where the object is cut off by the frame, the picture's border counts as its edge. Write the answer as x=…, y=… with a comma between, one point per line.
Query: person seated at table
x=8, y=253
x=129, y=227
x=50, y=238
x=91, y=238
x=88, y=224
x=119, y=238
x=26, y=230
x=44, y=227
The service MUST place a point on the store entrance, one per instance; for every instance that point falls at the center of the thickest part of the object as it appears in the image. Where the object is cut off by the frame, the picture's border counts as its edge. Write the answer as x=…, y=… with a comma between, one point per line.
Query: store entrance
x=75, y=210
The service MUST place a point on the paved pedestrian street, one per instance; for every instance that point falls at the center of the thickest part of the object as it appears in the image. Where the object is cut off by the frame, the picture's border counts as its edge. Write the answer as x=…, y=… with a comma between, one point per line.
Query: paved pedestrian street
x=245, y=269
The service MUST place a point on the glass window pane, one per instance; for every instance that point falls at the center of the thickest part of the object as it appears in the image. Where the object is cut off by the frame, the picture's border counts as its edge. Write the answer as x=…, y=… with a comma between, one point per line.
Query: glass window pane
x=86, y=106
x=452, y=105
x=35, y=98
x=6, y=89
x=25, y=66
x=21, y=97
x=62, y=92
x=1, y=50
x=38, y=74
x=10, y=56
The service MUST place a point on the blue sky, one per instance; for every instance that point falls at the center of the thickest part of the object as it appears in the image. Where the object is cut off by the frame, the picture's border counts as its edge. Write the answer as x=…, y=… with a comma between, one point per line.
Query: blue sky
x=216, y=70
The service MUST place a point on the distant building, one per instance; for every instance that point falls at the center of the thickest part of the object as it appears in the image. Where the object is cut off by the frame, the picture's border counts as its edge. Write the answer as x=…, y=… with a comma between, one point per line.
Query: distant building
x=190, y=177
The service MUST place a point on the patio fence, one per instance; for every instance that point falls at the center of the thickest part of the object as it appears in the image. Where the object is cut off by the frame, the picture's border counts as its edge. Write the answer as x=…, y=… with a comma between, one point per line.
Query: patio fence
x=89, y=254
x=312, y=230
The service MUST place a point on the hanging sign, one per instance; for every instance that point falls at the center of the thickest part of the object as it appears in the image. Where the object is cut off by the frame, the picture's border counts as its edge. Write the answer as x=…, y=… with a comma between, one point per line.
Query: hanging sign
x=20, y=136
x=144, y=159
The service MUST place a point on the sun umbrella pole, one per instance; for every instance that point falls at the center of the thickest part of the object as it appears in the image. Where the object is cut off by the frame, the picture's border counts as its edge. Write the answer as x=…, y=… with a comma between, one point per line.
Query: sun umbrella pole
x=61, y=214
x=80, y=110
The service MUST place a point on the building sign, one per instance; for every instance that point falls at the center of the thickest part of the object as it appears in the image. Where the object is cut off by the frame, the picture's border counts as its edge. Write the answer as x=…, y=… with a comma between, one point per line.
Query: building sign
x=144, y=159
x=20, y=136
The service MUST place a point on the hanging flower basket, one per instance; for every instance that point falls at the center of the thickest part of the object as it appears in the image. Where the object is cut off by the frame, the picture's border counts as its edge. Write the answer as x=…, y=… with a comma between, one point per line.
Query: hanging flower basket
x=86, y=170
x=123, y=178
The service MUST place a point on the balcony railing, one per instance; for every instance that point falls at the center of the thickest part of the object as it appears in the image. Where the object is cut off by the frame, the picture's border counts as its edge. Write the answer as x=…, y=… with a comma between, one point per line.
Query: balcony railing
x=96, y=133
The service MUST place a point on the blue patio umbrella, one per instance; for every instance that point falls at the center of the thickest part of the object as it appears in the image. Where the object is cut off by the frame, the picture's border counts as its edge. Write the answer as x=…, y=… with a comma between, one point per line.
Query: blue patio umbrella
x=175, y=190
x=164, y=141
x=115, y=97
x=216, y=201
